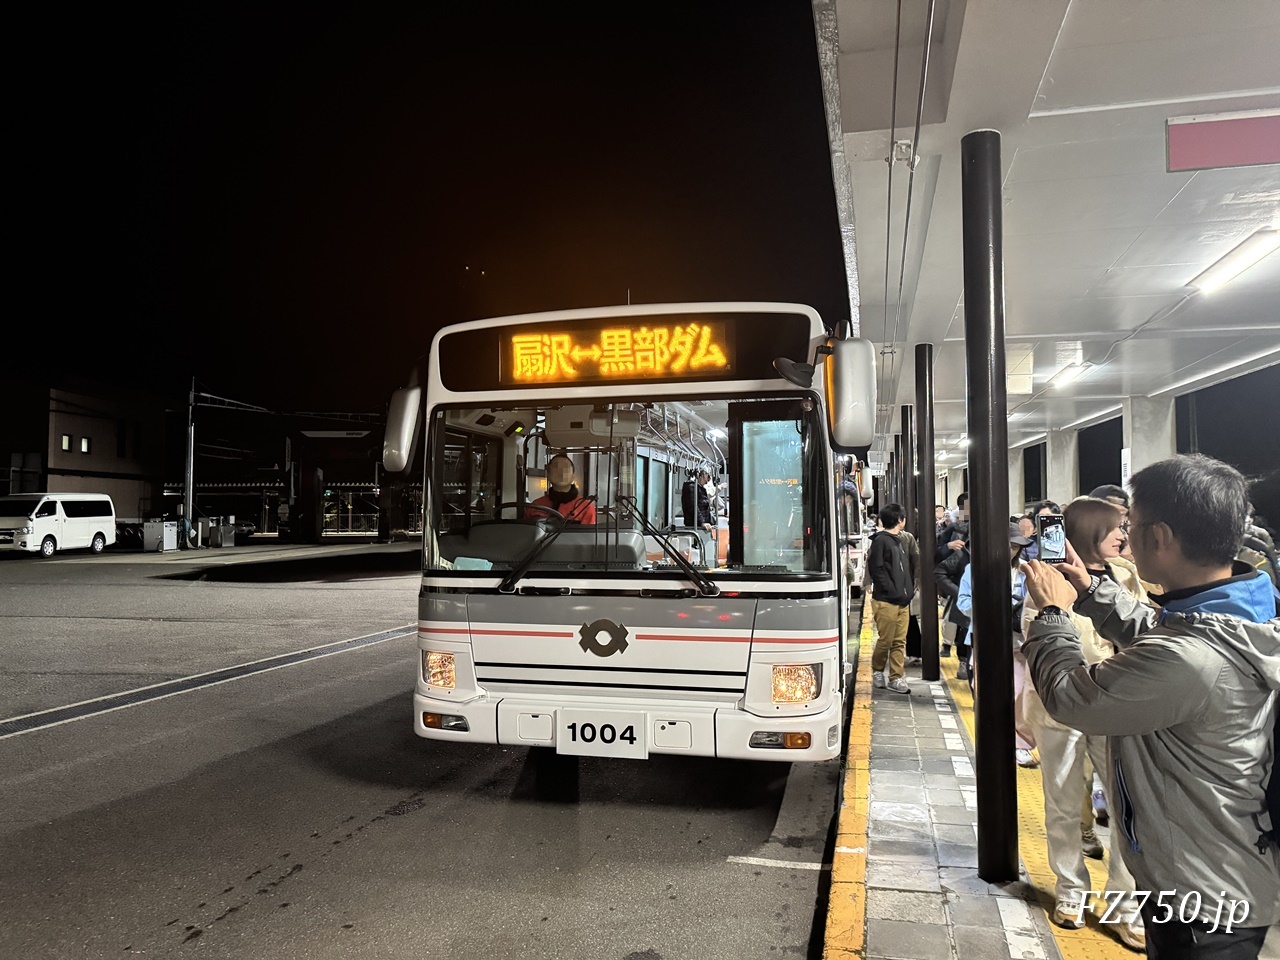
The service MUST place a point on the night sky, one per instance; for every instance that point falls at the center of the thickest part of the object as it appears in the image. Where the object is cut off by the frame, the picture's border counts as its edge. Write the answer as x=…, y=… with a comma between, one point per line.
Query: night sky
x=284, y=201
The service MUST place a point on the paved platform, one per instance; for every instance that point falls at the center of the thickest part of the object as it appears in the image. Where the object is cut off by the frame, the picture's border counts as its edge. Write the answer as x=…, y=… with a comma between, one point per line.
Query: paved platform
x=904, y=882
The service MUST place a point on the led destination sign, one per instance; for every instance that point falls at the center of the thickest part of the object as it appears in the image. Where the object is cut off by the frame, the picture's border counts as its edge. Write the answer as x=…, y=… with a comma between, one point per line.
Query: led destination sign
x=687, y=347
x=559, y=355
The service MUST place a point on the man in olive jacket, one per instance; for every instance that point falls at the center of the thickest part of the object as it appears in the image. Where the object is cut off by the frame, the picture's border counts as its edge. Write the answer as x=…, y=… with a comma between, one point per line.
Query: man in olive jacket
x=1187, y=704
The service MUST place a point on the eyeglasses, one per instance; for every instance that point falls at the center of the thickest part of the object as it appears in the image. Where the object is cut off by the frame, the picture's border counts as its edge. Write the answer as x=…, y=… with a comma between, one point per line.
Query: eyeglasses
x=1124, y=526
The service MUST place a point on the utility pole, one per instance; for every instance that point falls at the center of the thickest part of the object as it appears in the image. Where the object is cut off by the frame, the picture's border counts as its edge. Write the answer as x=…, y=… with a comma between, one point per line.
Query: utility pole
x=189, y=479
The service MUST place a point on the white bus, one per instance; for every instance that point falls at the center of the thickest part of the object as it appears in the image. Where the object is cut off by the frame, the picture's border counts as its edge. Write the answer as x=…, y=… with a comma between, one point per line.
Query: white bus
x=45, y=523
x=636, y=634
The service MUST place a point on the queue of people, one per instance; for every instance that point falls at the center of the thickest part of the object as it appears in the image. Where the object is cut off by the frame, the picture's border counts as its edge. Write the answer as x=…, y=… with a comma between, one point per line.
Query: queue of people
x=1147, y=666
x=1186, y=704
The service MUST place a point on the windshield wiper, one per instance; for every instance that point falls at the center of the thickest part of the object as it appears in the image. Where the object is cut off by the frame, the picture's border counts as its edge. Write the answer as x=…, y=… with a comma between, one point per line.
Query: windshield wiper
x=706, y=586
x=508, y=584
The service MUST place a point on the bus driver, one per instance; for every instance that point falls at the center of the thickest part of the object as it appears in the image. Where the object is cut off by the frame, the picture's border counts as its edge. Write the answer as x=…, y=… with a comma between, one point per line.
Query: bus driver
x=563, y=494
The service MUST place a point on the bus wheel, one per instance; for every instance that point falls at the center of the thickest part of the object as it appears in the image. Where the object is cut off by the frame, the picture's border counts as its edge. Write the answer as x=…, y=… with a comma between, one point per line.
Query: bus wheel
x=48, y=547
x=99, y=542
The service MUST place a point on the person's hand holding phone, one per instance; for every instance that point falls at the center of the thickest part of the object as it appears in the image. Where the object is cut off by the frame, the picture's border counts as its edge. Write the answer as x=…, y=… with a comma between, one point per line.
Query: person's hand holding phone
x=1057, y=584
x=1047, y=587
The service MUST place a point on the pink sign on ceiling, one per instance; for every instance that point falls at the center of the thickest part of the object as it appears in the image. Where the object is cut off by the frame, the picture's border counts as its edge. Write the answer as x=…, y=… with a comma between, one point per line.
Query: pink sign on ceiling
x=1225, y=140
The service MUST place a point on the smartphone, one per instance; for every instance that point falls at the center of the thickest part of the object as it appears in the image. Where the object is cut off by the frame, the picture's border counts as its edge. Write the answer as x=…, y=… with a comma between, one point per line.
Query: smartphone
x=1053, y=538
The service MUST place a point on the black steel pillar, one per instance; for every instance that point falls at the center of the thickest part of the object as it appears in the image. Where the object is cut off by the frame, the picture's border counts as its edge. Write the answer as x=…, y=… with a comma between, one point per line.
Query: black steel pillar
x=898, y=469
x=930, y=669
x=909, y=468
x=989, y=504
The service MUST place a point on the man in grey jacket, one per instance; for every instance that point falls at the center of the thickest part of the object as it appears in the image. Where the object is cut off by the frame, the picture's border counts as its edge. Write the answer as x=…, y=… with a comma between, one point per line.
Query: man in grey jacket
x=1188, y=704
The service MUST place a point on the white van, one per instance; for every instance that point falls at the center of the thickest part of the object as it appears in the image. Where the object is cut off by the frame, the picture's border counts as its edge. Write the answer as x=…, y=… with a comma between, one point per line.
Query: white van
x=49, y=522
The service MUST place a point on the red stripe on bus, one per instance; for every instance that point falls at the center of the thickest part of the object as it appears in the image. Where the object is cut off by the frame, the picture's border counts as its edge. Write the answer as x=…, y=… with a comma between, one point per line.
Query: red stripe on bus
x=444, y=630
x=666, y=636
x=521, y=633
x=797, y=639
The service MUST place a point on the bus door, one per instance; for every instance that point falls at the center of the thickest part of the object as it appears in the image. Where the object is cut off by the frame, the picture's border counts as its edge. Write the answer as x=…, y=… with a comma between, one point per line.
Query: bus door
x=775, y=523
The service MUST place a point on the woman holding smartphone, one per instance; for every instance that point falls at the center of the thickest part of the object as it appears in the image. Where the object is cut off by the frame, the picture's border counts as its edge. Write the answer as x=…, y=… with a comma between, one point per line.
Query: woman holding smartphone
x=1093, y=528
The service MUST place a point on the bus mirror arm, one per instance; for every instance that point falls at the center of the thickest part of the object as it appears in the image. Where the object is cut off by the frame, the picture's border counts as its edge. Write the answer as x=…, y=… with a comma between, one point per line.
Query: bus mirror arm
x=801, y=374
x=706, y=586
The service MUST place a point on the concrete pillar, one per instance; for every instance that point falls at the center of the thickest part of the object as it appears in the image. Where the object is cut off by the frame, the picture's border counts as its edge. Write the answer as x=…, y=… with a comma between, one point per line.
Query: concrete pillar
x=1017, y=483
x=1150, y=431
x=1063, y=462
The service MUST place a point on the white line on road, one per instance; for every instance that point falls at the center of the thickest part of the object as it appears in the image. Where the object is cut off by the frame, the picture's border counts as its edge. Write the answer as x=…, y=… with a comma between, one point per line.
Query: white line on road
x=788, y=864
x=307, y=655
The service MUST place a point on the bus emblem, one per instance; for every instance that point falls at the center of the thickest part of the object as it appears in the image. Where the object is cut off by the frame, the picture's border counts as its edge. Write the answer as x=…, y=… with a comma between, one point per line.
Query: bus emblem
x=590, y=642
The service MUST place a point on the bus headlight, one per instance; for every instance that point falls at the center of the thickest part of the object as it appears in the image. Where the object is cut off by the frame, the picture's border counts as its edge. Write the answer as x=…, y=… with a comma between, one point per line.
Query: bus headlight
x=26, y=529
x=796, y=683
x=437, y=669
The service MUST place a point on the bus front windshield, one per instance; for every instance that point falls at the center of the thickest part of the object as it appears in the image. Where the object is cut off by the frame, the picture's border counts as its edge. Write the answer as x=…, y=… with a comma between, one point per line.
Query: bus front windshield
x=736, y=486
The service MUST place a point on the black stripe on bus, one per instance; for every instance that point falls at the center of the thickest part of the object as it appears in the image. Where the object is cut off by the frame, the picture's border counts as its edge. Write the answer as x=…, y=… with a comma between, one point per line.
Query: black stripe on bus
x=609, y=686
x=565, y=666
x=647, y=594
x=49, y=718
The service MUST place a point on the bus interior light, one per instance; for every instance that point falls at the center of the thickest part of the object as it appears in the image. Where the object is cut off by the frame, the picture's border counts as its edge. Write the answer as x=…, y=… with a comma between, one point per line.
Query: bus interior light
x=437, y=669
x=796, y=683
x=444, y=721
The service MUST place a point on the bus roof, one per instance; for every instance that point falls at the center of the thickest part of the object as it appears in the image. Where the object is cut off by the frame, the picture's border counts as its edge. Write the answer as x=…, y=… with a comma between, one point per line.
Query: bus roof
x=638, y=310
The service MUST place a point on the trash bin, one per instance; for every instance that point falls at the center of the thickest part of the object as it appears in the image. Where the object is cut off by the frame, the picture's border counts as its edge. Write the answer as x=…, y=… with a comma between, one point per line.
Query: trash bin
x=159, y=536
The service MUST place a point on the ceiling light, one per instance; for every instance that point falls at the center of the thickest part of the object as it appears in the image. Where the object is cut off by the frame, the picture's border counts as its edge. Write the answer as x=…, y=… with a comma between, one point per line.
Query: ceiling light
x=1249, y=251
x=1069, y=374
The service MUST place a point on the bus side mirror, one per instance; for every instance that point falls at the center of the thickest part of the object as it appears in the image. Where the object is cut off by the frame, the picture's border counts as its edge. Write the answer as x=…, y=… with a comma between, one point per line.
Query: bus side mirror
x=849, y=373
x=398, y=442
x=864, y=483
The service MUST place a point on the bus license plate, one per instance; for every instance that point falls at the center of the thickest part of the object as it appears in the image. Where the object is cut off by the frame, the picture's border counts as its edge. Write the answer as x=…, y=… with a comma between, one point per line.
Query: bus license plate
x=601, y=733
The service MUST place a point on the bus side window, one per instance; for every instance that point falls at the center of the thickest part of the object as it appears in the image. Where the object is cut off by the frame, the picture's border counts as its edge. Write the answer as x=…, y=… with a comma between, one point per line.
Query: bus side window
x=48, y=509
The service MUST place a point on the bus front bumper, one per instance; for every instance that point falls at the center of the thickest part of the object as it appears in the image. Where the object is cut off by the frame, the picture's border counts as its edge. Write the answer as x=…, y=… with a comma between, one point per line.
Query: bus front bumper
x=637, y=729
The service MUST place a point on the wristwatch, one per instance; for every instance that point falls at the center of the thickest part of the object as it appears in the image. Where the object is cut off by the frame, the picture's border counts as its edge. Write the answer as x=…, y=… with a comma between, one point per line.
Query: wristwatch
x=1052, y=612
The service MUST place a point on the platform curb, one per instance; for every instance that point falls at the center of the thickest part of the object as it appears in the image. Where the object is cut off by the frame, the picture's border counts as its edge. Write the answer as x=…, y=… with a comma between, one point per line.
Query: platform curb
x=846, y=931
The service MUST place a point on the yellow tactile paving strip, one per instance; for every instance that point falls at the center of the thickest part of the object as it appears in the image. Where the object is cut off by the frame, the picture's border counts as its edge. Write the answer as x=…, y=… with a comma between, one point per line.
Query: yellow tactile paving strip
x=1093, y=941
x=846, y=934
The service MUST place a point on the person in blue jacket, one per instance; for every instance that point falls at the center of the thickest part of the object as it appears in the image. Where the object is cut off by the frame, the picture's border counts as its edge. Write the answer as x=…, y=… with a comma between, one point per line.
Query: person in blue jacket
x=1187, y=704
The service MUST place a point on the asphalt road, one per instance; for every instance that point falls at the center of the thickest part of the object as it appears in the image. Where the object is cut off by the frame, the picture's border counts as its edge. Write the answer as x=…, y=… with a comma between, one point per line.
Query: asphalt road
x=292, y=812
